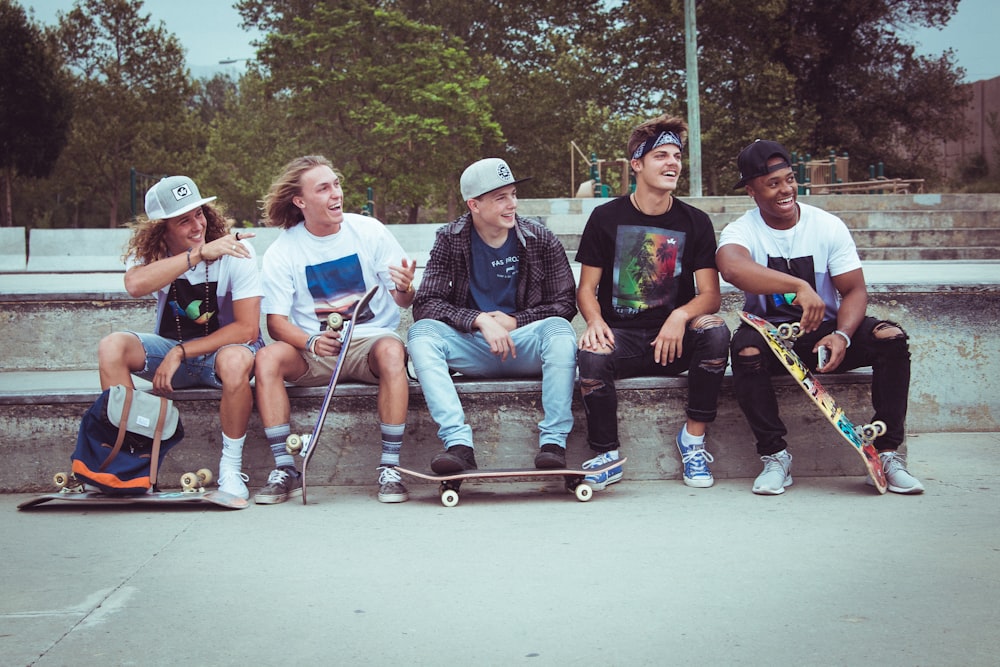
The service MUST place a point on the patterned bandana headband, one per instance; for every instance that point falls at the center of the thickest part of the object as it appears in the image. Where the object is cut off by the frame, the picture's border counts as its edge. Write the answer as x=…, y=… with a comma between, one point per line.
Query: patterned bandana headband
x=655, y=142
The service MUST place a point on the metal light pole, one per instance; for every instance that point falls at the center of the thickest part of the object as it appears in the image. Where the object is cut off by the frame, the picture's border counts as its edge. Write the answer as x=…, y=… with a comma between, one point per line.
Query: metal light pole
x=694, y=110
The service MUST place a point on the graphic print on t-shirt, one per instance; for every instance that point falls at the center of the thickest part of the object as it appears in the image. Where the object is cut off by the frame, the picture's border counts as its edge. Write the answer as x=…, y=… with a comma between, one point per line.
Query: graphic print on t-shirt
x=493, y=279
x=778, y=309
x=191, y=313
x=336, y=286
x=647, y=263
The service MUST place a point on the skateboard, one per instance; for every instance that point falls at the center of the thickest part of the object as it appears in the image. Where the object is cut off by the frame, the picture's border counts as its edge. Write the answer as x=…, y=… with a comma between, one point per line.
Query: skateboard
x=779, y=339
x=305, y=444
x=192, y=483
x=450, y=483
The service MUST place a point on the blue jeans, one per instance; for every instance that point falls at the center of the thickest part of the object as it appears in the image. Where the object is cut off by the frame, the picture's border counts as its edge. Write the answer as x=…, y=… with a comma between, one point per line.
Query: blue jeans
x=888, y=357
x=195, y=372
x=704, y=356
x=546, y=347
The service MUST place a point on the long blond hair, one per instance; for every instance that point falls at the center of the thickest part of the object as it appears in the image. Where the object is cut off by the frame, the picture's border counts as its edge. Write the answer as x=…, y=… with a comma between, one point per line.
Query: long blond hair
x=279, y=209
x=148, y=241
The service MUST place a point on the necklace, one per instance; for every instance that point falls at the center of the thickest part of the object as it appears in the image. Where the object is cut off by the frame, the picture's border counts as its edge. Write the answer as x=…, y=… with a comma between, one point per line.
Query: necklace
x=177, y=317
x=779, y=237
x=635, y=202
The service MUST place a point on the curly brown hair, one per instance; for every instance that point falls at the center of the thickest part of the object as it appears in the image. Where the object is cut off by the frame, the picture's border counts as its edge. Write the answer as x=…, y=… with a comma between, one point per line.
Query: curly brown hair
x=653, y=128
x=147, y=243
x=279, y=210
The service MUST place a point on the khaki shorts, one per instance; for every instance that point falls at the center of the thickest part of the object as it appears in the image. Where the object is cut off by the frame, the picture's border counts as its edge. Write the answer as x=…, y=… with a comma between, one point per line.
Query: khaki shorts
x=355, y=364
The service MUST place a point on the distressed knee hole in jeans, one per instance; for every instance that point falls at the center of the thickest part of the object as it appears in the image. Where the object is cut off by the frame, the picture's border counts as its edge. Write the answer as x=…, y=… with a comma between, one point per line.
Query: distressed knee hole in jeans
x=707, y=322
x=587, y=386
x=750, y=360
x=713, y=365
x=886, y=331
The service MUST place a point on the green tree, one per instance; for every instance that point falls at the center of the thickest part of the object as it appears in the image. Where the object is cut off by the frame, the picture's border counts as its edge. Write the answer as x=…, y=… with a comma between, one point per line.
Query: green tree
x=131, y=91
x=34, y=104
x=391, y=100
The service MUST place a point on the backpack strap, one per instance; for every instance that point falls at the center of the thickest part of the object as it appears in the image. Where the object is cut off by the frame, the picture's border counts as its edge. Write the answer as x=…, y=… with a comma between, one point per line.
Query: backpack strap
x=154, y=462
x=123, y=423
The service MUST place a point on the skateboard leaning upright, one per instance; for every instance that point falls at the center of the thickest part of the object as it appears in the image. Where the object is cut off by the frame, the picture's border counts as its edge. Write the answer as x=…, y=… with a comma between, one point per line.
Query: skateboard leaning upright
x=449, y=483
x=306, y=444
x=780, y=339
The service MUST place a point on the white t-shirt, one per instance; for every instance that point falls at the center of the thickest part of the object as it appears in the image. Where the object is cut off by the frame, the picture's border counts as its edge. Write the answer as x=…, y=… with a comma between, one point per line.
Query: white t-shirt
x=306, y=277
x=235, y=278
x=818, y=247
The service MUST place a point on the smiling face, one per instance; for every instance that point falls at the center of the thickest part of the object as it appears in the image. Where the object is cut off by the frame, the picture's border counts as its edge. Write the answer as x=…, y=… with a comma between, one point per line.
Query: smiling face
x=776, y=195
x=321, y=200
x=493, y=213
x=185, y=231
x=659, y=169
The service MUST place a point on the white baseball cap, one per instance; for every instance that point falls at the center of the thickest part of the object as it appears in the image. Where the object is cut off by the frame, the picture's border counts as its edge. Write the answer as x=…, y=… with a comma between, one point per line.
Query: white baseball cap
x=173, y=196
x=485, y=176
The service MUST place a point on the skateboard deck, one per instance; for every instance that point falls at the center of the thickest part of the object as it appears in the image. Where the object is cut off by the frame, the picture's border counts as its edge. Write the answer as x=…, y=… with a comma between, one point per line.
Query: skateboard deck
x=450, y=483
x=779, y=340
x=219, y=498
x=306, y=444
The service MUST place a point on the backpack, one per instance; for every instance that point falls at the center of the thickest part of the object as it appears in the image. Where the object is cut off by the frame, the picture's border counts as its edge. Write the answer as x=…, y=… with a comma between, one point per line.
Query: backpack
x=123, y=438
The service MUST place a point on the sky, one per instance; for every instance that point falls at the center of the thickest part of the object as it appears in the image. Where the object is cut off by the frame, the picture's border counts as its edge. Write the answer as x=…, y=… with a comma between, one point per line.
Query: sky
x=209, y=31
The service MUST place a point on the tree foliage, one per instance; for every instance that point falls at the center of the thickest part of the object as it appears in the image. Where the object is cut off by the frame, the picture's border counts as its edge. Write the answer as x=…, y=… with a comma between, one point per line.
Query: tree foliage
x=403, y=94
x=131, y=93
x=34, y=103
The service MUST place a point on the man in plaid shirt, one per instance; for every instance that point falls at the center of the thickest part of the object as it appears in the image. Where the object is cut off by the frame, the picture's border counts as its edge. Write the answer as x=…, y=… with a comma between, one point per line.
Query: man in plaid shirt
x=496, y=300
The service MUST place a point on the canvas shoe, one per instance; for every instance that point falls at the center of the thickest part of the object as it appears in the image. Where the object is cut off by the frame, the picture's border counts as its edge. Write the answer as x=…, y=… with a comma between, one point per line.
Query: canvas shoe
x=776, y=476
x=899, y=478
x=599, y=481
x=282, y=484
x=550, y=457
x=457, y=458
x=233, y=482
x=695, y=460
x=390, y=486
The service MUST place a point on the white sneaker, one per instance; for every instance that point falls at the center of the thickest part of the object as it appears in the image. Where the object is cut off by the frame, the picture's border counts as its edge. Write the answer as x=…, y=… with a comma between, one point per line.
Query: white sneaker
x=234, y=482
x=899, y=478
x=776, y=476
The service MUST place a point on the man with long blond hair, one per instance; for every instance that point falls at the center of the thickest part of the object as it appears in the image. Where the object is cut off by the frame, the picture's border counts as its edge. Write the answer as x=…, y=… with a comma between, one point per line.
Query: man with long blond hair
x=325, y=260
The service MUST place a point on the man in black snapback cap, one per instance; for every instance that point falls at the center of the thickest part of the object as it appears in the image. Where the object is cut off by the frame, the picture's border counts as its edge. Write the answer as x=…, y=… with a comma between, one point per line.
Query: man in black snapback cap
x=784, y=247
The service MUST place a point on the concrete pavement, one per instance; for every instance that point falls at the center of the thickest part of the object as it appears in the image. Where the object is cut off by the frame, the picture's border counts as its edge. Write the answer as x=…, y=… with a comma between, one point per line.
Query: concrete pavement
x=646, y=573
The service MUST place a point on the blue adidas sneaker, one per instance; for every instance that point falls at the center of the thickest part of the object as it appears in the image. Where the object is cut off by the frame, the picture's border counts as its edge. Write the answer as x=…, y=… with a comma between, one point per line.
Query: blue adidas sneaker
x=599, y=481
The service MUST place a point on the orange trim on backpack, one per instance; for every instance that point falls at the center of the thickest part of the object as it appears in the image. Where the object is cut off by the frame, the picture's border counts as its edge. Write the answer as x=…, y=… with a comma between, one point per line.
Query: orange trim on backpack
x=108, y=479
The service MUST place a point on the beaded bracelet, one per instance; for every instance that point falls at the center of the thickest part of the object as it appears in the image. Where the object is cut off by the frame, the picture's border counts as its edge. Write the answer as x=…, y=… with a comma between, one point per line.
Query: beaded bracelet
x=190, y=267
x=184, y=354
x=844, y=335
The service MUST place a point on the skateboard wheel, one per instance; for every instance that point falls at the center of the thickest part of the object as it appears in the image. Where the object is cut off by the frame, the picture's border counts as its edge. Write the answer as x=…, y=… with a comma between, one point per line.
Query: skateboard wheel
x=61, y=479
x=449, y=497
x=879, y=427
x=788, y=331
x=294, y=443
x=189, y=481
x=335, y=321
x=205, y=476
x=583, y=492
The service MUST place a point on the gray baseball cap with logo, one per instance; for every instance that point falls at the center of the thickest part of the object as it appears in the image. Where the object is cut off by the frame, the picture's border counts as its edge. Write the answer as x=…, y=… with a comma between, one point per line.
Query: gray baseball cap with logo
x=485, y=176
x=173, y=196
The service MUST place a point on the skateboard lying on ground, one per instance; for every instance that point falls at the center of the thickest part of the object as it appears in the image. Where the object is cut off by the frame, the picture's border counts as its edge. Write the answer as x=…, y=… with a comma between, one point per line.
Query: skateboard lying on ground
x=193, y=484
x=780, y=339
x=450, y=483
x=306, y=444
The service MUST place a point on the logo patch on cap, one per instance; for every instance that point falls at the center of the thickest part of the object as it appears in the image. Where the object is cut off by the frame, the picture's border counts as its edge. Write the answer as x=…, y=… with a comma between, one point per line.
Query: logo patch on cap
x=181, y=191
x=503, y=171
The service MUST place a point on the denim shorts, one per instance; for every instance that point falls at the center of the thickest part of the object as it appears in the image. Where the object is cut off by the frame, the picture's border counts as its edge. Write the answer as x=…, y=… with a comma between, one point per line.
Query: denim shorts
x=195, y=372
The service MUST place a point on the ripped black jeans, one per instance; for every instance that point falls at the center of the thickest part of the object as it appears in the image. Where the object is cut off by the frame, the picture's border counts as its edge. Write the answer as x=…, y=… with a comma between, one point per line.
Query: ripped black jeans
x=889, y=358
x=704, y=356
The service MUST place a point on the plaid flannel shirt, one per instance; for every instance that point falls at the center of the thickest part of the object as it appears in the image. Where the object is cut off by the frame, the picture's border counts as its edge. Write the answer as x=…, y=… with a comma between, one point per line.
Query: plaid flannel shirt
x=545, y=284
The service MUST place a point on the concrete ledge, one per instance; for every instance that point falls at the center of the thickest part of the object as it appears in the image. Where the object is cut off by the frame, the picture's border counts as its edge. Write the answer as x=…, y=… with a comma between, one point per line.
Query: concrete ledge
x=13, y=249
x=72, y=250
x=503, y=415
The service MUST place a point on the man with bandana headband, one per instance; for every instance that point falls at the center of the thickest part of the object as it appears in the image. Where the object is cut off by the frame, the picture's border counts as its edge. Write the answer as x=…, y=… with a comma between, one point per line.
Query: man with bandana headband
x=649, y=291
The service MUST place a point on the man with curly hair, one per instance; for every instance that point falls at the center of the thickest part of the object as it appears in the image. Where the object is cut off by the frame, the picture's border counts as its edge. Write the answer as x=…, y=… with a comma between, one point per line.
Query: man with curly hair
x=208, y=294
